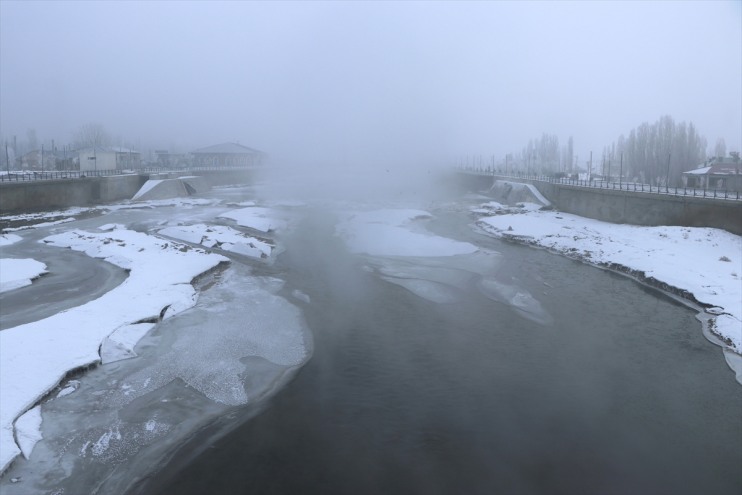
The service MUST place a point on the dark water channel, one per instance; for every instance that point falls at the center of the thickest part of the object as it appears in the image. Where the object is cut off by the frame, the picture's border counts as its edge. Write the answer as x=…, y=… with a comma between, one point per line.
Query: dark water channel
x=621, y=394
x=73, y=279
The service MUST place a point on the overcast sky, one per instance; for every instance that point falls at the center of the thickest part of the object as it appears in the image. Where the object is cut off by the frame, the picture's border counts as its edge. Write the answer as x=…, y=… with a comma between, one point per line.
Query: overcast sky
x=388, y=80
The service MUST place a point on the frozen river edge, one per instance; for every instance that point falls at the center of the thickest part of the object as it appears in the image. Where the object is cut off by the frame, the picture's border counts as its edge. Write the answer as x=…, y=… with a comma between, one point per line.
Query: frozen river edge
x=159, y=286
x=720, y=322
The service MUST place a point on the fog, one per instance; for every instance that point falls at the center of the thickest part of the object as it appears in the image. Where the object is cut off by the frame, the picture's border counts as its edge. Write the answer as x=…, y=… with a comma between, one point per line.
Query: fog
x=372, y=85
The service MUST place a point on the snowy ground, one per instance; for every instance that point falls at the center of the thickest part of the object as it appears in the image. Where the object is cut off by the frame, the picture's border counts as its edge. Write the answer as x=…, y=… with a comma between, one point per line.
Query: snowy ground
x=14, y=272
x=698, y=264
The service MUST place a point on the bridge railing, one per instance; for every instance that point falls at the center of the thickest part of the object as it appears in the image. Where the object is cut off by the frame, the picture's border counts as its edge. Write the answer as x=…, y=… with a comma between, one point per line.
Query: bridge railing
x=17, y=176
x=613, y=185
x=29, y=175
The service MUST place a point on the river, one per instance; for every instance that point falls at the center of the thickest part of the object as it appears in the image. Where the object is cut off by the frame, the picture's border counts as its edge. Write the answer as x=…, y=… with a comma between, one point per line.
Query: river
x=595, y=384
x=618, y=393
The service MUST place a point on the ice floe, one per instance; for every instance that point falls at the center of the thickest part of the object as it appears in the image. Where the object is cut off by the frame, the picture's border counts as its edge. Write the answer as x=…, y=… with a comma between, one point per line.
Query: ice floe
x=222, y=237
x=257, y=218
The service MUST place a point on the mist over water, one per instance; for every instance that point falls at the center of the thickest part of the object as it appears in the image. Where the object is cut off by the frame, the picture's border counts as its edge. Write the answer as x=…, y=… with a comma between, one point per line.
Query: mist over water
x=392, y=178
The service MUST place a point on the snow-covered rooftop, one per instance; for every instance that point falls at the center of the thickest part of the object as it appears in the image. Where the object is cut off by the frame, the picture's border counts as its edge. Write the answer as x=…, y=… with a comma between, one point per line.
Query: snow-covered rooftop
x=227, y=149
x=725, y=169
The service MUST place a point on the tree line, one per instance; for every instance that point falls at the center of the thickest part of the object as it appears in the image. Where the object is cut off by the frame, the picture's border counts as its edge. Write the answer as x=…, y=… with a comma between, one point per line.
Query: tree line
x=658, y=153
x=653, y=153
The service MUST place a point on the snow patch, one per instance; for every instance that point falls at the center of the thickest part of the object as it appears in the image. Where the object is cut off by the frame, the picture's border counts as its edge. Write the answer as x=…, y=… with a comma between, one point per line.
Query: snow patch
x=16, y=273
x=8, y=239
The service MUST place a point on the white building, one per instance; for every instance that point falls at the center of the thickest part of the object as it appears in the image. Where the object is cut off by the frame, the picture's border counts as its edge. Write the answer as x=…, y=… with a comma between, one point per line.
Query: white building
x=94, y=159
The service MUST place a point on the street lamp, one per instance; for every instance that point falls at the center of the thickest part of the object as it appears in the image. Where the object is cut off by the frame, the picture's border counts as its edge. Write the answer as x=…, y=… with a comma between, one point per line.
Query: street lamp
x=667, y=179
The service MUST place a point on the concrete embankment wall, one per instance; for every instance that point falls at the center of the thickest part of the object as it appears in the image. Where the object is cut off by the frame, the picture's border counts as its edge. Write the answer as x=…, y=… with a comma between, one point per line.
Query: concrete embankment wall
x=631, y=207
x=40, y=195
x=224, y=177
x=62, y=193
x=116, y=188
x=645, y=209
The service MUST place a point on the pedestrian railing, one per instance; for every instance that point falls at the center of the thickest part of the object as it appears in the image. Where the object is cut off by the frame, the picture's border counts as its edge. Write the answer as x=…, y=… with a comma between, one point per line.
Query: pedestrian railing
x=613, y=185
x=28, y=175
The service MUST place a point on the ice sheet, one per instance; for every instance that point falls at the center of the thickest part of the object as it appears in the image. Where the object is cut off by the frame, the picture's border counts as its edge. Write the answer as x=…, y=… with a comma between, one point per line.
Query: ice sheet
x=28, y=430
x=389, y=232
x=120, y=344
x=516, y=297
x=258, y=218
x=432, y=291
x=35, y=356
x=222, y=237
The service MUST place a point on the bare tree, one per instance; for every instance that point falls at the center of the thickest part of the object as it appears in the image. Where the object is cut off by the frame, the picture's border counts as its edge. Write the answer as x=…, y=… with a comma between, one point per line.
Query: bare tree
x=720, y=151
x=31, y=139
x=570, y=155
x=661, y=152
x=91, y=135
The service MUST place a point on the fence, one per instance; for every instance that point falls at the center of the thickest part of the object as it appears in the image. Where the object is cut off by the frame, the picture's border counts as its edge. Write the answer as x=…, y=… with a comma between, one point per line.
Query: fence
x=616, y=186
x=25, y=175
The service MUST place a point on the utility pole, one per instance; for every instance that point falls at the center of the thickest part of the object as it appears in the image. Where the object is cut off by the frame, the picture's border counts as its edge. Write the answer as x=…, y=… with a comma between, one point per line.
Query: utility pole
x=590, y=168
x=620, y=172
x=667, y=179
x=603, y=166
x=42, y=157
x=7, y=159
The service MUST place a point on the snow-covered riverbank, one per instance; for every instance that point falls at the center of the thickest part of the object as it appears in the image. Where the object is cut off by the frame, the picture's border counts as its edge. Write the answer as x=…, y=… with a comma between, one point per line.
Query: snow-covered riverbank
x=701, y=265
x=36, y=356
x=17, y=272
